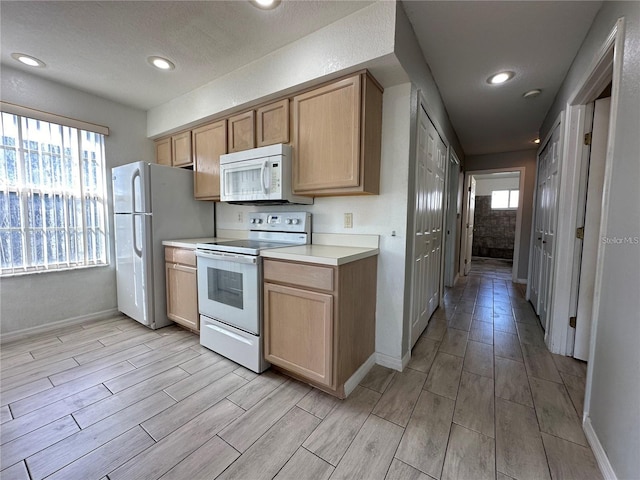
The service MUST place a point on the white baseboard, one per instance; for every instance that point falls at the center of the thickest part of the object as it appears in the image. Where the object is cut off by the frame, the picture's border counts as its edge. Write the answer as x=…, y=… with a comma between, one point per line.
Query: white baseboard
x=27, y=332
x=405, y=359
x=598, y=451
x=393, y=362
x=354, y=380
x=522, y=281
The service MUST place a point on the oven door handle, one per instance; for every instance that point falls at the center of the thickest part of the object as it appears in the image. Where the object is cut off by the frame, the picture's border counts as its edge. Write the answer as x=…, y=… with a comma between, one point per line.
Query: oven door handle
x=228, y=257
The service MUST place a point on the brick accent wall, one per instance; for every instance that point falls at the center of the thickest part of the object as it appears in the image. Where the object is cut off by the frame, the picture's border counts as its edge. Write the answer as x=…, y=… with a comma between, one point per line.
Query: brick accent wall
x=494, y=230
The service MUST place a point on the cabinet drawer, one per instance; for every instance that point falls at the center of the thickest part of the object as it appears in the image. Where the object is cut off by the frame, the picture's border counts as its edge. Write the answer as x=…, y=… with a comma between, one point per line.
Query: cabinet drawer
x=180, y=255
x=310, y=276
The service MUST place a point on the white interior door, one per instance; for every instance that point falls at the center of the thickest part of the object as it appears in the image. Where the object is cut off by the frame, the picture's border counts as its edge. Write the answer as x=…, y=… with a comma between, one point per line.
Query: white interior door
x=538, y=232
x=545, y=227
x=471, y=209
x=438, y=165
x=452, y=221
x=430, y=173
x=593, y=213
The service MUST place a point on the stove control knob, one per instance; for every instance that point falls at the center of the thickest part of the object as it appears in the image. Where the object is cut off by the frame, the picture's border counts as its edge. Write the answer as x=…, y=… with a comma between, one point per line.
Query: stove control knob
x=259, y=220
x=253, y=220
x=295, y=221
x=288, y=221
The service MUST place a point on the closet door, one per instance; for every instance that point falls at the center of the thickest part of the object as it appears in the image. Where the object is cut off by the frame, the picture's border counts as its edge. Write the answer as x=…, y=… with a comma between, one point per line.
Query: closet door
x=431, y=159
x=545, y=227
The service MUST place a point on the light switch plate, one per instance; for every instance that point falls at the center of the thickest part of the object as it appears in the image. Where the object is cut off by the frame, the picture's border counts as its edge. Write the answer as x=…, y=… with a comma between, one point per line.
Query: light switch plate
x=348, y=220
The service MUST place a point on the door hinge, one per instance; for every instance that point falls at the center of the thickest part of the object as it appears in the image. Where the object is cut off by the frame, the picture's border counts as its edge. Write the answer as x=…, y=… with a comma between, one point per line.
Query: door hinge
x=572, y=322
x=587, y=138
x=580, y=233
x=469, y=188
x=465, y=261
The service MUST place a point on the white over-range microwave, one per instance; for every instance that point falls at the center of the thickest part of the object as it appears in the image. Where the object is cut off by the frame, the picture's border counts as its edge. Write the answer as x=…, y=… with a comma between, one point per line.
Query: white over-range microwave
x=260, y=176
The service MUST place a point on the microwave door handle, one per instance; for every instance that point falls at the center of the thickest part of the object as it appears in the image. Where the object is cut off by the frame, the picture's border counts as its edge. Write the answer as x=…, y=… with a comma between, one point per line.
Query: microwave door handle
x=265, y=185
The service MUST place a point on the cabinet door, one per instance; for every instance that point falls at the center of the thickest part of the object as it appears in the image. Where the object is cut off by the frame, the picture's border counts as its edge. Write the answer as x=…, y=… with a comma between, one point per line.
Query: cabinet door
x=298, y=331
x=273, y=123
x=209, y=142
x=182, y=295
x=181, y=147
x=242, y=131
x=163, y=151
x=326, y=137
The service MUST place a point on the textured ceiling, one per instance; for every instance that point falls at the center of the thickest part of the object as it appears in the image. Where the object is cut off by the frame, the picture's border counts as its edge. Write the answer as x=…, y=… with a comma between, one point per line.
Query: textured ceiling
x=101, y=47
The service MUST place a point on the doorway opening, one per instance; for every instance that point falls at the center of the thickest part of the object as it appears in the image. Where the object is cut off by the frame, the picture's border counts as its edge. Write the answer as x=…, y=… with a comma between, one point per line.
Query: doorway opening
x=492, y=213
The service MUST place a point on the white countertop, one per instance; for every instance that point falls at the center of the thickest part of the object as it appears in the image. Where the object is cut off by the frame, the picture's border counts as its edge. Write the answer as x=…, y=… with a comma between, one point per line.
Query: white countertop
x=189, y=242
x=328, y=249
x=321, y=254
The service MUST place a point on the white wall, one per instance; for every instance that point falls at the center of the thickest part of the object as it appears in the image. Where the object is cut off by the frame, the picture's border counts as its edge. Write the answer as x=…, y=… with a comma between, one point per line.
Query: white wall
x=614, y=408
x=362, y=39
x=410, y=56
x=527, y=160
x=375, y=214
x=484, y=186
x=30, y=301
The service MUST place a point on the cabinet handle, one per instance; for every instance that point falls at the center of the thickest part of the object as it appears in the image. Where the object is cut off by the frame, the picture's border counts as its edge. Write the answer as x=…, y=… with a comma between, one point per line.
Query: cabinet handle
x=182, y=268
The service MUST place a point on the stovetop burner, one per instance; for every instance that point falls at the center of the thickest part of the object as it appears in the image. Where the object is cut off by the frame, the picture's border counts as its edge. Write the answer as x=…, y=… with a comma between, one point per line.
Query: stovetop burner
x=248, y=246
x=267, y=230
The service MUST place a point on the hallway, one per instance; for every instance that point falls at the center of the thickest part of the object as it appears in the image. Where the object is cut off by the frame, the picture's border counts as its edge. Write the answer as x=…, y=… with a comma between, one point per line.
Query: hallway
x=494, y=403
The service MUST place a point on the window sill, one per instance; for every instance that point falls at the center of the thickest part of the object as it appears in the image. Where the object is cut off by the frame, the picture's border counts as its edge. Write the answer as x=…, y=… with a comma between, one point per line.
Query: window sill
x=52, y=270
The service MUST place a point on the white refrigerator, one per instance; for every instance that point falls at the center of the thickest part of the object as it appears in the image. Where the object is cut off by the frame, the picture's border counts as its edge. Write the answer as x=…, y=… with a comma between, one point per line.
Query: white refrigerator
x=152, y=203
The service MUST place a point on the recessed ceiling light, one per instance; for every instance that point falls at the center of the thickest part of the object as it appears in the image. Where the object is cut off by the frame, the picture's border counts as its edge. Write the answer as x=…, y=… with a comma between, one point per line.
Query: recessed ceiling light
x=500, y=77
x=161, y=63
x=265, y=4
x=536, y=141
x=27, y=60
x=532, y=93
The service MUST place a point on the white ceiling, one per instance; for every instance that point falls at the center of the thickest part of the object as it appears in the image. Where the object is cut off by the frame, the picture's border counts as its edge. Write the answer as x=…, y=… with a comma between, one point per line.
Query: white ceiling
x=464, y=42
x=101, y=47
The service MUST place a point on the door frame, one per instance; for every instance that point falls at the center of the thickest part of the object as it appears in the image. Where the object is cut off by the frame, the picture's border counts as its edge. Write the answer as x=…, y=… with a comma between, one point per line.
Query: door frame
x=584, y=265
x=516, y=245
x=606, y=67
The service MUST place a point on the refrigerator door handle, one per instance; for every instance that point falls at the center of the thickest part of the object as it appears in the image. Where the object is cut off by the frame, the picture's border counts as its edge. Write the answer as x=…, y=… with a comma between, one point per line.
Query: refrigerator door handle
x=138, y=251
x=136, y=174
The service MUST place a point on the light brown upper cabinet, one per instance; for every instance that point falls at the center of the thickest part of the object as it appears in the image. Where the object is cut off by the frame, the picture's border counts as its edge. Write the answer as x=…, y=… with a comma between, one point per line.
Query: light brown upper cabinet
x=181, y=149
x=242, y=131
x=209, y=142
x=273, y=123
x=163, y=151
x=336, y=138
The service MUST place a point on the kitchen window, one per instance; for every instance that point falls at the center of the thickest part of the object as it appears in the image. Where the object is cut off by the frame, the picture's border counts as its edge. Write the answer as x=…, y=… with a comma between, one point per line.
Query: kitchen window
x=504, y=199
x=52, y=196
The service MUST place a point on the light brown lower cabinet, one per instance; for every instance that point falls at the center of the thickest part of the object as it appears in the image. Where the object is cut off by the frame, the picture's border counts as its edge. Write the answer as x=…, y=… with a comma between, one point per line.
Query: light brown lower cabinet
x=182, y=288
x=319, y=321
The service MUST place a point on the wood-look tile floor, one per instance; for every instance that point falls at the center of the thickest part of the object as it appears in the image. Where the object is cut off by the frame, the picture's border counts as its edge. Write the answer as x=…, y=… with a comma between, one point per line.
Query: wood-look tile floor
x=480, y=399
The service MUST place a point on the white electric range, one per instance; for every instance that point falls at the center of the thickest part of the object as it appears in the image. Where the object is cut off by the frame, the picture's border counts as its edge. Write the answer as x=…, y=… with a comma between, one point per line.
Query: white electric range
x=230, y=285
